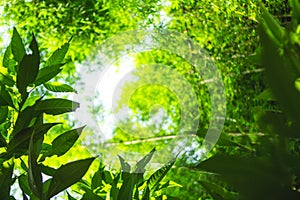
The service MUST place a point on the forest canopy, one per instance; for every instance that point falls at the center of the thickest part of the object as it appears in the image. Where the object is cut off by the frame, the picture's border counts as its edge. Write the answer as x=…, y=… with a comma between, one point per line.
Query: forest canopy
x=171, y=99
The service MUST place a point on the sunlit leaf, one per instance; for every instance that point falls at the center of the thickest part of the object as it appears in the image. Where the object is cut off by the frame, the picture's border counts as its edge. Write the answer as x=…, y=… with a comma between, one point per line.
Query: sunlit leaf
x=5, y=77
x=67, y=175
x=17, y=46
x=56, y=106
x=62, y=143
x=58, y=87
x=57, y=57
x=21, y=140
x=157, y=176
x=146, y=195
x=29, y=67
x=24, y=119
x=47, y=73
x=6, y=57
x=5, y=98
x=97, y=178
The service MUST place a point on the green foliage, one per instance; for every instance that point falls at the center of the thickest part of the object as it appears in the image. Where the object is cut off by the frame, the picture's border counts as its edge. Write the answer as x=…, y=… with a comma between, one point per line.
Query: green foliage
x=270, y=172
x=67, y=175
x=24, y=135
x=129, y=183
x=258, y=153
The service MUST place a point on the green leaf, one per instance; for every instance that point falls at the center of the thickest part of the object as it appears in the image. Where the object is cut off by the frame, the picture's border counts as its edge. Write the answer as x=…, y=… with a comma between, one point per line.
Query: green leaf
x=89, y=194
x=295, y=5
x=218, y=192
x=169, y=184
x=3, y=114
x=281, y=73
x=146, y=195
x=29, y=67
x=125, y=166
x=271, y=122
x=24, y=196
x=114, y=190
x=47, y=73
x=141, y=164
x=5, y=98
x=127, y=189
x=97, y=178
x=58, y=87
x=266, y=95
x=23, y=119
x=30, y=101
x=67, y=175
x=156, y=177
x=5, y=77
x=62, y=143
x=297, y=84
x=56, y=106
x=24, y=185
x=57, y=57
x=21, y=140
x=2, y=141
x=17, y=46
x=6, y=172
x=6, y=57
x=34, y=172
x=47, y=170
x=272, y=27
